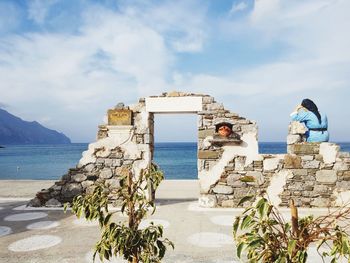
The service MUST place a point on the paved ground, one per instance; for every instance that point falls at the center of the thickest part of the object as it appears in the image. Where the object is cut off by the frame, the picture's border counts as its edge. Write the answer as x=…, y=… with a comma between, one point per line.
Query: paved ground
x=199, y=235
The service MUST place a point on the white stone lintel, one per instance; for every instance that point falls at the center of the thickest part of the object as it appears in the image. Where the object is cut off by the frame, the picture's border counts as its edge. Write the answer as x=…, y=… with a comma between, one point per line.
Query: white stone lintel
x=174, y=104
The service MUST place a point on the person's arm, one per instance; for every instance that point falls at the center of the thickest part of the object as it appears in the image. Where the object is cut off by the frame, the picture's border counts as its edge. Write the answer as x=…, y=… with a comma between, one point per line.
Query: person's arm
x=300, y=115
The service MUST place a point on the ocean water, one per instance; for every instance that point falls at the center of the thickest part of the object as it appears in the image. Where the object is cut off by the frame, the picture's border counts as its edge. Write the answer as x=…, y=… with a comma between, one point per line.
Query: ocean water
x=177, y=160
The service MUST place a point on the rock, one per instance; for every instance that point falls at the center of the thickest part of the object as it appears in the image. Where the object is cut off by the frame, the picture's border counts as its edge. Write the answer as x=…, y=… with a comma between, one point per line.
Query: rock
x=293, y=138
x=223, y=189
x=228, y=203
x=106, y=173
x=239, y=163
x=119, y=106
x=71, y=190
x=292, y=161
x=304, y=148
x=232, y=178
x=53, y=203
x=321, y=189
x=329, y=152
x=86, y=184
x=207, y=201
x=117, y=162
x=296, y=127
x=258, y=177
x=346, y=176
x=207, y=100
x=78, y=178
x=307, y=157
x=340, y=166
x=121, y=171
x=202, y=134
x=35, y=202
x=311, y=164
x=321, y=202
x=326, y=176
x=112, y=183
x=271, y=164
x=89, y=168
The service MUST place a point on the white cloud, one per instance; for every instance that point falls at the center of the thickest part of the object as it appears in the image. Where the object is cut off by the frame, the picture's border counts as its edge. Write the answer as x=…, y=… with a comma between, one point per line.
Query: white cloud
x=238, y=7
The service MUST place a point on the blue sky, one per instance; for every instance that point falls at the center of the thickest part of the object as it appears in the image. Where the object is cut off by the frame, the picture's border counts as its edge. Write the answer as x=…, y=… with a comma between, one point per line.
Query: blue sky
x=64, y=63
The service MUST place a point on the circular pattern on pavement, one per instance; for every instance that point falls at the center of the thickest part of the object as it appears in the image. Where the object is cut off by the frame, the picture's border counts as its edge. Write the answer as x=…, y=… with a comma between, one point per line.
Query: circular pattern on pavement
x=43, y=225
x=223, y=220
x=210, y=239
x=5, y=230
x=34, y=243
x=83, y=222
x=25, y=216
x=89, y=255
x=147, y=222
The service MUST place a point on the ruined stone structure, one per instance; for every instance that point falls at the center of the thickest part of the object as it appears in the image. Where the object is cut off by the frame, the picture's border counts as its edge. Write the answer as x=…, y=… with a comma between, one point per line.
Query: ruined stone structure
x=229, y=168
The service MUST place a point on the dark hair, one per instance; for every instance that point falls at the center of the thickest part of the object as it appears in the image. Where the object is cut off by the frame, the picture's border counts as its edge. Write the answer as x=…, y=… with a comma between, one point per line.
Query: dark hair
x=219, y=125
x=311, y=106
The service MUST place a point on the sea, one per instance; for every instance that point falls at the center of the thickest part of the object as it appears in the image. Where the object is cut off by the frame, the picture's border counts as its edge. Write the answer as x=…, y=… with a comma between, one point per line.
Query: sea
x=178, y=160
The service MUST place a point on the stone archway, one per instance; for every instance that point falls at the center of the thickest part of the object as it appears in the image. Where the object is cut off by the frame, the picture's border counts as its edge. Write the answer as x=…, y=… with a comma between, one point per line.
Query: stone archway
x=228, y=167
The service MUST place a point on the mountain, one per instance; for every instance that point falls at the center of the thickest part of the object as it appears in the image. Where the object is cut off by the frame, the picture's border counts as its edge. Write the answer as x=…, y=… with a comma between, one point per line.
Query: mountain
x=14, y=130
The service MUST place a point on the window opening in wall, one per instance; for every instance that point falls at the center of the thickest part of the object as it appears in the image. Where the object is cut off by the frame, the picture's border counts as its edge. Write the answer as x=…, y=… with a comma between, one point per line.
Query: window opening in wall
x=175, y=149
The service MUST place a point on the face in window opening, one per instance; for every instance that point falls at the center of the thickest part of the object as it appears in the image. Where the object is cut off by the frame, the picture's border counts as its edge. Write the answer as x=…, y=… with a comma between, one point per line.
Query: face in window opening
x=224, y=131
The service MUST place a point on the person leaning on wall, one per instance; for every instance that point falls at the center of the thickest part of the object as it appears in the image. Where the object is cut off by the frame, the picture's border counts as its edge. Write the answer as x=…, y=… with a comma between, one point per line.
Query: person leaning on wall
x=315, y=121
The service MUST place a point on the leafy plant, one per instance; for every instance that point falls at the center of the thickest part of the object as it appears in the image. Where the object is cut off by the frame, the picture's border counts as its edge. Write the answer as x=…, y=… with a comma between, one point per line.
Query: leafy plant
x=126, y=239
x=267, y=237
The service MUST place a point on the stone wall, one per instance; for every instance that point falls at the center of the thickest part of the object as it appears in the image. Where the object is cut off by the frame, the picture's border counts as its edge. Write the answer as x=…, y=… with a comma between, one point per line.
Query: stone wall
x=313, y=174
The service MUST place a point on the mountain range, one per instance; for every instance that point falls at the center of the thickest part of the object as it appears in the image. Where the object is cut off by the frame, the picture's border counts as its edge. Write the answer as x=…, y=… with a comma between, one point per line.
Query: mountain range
x=14, y=130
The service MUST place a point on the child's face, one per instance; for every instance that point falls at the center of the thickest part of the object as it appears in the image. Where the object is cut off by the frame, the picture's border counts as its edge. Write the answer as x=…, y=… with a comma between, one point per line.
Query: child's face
x=224, y=131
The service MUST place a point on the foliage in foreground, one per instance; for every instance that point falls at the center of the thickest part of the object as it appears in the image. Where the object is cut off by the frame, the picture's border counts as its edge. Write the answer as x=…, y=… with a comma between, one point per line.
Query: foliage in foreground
x=267, y=237
x=125, y=239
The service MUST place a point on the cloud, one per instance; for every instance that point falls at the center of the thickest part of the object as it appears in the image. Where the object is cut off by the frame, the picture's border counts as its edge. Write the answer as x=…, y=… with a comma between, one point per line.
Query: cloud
x=238, y=7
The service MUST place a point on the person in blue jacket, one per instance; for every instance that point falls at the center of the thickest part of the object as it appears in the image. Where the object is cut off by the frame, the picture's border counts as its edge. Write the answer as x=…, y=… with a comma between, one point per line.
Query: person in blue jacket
x=315, y=121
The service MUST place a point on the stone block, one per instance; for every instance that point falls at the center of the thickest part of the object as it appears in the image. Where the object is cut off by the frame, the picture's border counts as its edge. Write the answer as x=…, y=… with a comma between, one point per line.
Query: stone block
x=208, y=154
x=321, y=189
x=292, y=161
x=78, y=178
x=89, y=168
x=240, y=163
x=329, y=152
x=304, y=148
x=258, y=177
x=343, y=186
x=232, y=178
x=271, y=164
x=223, y=189
x=326, y=176
x=106, y=173
x=86, y=184
x=117, y=162
x=296, y=127
x=207, y=201
x=35, y=202
x=340, y=166
x=71, y=190
x=307, y=157
x=321, y=202
x=121, y=171
x=228, y=203
x=346, y=176
x=112, y=183
x=207, y=100
x=293, y=138
x=202, y=134
x=311, y=164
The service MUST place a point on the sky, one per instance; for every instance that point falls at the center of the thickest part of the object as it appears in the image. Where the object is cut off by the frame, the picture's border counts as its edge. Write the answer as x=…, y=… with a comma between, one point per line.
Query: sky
x=63, y=63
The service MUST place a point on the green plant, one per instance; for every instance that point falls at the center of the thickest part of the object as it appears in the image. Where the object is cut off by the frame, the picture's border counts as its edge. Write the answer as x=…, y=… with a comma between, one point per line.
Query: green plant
x=125, y=239
x=267, y=237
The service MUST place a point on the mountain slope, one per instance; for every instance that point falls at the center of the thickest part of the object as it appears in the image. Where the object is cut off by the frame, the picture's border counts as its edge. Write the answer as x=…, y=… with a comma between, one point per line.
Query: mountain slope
x=14, y=130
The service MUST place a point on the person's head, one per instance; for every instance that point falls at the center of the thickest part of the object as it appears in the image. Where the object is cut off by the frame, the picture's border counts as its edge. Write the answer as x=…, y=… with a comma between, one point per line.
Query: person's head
x=311, y=106
x=224, y=129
